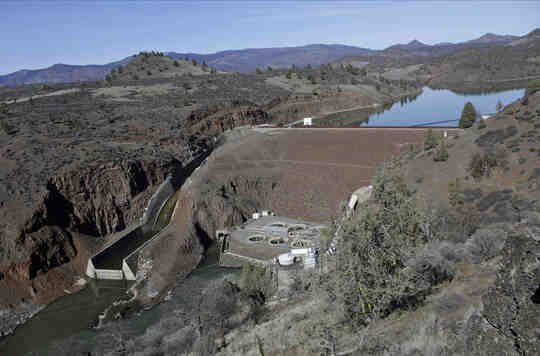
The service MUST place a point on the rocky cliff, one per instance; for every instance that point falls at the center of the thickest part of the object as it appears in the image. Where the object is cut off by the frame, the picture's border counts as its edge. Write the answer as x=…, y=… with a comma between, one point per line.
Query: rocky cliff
x=94, y=201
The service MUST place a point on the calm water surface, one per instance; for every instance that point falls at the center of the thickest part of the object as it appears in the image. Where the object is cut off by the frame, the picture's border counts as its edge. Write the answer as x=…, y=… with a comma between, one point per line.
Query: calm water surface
x=433, y=107
x=69, y=317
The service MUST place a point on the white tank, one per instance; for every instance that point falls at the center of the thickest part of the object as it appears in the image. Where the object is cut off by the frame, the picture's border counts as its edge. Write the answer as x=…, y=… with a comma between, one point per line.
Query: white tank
x=286, y=259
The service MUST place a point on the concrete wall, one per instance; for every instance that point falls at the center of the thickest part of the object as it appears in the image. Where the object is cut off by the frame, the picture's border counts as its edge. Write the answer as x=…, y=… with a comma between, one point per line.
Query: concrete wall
x=151, y=213
x=128, y=273
x=130, y=262
x=156, y=202
x=109, y=274
x=90, y=270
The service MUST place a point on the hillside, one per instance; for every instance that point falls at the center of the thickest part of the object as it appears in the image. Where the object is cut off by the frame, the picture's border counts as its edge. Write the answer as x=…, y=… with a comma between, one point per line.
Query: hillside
x=60, y=73
x=79, y=161
x=246, y=60
x=441, y=259
x=516, y=60
x=282, y=57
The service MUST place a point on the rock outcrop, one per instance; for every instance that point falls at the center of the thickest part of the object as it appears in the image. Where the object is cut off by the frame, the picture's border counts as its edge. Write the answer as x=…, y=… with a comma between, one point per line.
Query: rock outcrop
x=94, y=201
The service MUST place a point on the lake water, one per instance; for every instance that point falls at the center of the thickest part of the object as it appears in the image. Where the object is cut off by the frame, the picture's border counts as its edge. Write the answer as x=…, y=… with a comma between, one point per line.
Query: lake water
x=69, y=317
x=433, y=107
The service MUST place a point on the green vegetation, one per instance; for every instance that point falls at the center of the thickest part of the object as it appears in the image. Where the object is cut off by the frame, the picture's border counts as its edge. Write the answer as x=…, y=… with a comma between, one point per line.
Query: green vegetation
x=374, y=275
x=7, y=128
x=430, y=140
x=455, y=194
x=256, y=281
x=289, y=74
x=442, y=153
x=165, y=213
x=481, y=164
x=468, y=116
x=532, y=87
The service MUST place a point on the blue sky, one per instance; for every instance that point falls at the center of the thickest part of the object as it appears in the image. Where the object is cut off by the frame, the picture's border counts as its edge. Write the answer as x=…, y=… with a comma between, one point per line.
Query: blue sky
x=37, y=34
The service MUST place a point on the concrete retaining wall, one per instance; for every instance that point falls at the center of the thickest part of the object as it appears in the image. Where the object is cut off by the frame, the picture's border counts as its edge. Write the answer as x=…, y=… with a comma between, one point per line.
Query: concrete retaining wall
x=147, y=223
x=128, y=273
x=150, y=215
x=156, y=203
x=130, y=262
x=109, y=274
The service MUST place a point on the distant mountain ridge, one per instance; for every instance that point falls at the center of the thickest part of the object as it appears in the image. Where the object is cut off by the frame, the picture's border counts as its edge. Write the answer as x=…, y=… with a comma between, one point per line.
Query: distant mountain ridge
x=278, y=57
x=61, y=73
x=245, y=60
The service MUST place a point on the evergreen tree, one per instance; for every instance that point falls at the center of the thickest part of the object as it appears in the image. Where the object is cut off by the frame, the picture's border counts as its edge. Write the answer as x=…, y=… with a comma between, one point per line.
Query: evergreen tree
x=468, y=116
x=430, y=141
x=289, y=74
x=442, y=153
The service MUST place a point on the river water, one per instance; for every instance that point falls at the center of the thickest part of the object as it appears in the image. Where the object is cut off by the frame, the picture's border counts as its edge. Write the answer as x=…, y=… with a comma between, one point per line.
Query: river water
x=64, y=327
x=66, y=323
x=431, y=107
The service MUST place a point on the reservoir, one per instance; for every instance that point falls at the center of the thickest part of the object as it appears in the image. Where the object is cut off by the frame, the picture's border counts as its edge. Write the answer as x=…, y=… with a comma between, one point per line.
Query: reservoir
x=431, y=107
x=65, y=325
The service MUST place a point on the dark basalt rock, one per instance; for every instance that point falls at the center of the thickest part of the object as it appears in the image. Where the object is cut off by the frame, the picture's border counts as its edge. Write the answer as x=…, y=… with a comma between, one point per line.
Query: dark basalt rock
x=512, y=303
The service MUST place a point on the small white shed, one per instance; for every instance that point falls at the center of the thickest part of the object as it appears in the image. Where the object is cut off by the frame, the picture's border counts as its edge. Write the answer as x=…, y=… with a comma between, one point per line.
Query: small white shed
x=308, y=121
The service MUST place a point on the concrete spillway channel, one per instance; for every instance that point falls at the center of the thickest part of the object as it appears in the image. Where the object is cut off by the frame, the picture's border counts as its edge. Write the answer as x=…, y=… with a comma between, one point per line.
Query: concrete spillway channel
x=116, y=260
x=119, y=259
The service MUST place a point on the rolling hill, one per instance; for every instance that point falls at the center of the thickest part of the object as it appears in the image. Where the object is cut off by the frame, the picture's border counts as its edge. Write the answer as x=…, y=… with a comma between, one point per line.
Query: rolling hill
x=246, y=60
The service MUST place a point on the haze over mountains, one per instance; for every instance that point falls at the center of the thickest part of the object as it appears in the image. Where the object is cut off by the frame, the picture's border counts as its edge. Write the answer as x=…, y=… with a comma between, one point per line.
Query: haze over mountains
x=246, y=60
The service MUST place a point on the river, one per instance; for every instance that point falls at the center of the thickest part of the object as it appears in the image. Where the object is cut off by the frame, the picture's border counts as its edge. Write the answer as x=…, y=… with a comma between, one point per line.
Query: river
x=64, y=327
x=65, y=323
x=431, y=107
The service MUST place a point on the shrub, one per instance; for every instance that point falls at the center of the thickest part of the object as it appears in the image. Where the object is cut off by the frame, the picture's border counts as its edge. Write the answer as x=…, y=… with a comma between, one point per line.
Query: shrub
x=485, y=244
x=532, y=87
x=468, y=116
x=373, y=275
x=430, y=267
x=289, y=74
x=256, y=282
x=442, y=153
x=430, y=141
x=481, y=125
x=481, y=164
x=176, y=64
x=456, y=197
